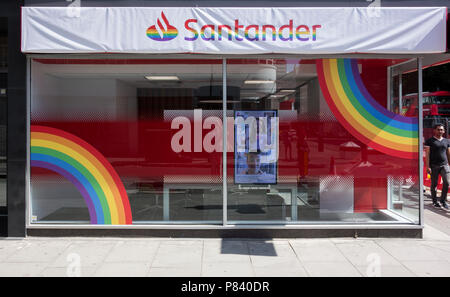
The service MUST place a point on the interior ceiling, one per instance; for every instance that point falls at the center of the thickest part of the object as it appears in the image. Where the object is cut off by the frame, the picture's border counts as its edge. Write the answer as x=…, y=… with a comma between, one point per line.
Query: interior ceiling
x=193, y=76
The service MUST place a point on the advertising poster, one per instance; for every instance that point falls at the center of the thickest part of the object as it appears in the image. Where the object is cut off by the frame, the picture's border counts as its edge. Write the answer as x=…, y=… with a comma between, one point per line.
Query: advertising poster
x=256, y=147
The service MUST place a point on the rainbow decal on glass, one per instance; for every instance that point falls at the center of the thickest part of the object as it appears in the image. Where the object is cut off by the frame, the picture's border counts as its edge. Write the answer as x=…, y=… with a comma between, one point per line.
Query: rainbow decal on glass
x=169, y=32
x=361, y=115
x=87, y=169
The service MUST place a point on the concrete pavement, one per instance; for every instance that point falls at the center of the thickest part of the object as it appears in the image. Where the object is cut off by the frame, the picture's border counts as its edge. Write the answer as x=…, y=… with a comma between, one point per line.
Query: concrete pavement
x=429, y=256
x=436, y=218
x=38, y=256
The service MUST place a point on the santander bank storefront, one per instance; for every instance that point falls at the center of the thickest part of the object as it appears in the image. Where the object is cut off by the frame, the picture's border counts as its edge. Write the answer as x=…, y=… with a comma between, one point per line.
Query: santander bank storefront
x=226, y=119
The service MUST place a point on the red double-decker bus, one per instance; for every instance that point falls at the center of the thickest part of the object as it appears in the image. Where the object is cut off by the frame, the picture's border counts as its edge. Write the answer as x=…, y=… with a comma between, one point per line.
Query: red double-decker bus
x=435, y=104
x=436, y=109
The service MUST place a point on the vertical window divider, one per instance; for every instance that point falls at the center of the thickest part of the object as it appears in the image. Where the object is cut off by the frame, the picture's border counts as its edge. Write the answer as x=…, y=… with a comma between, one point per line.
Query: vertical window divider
x=29, y=205
x=420, y=103
x=224, y=142
x=400, y=92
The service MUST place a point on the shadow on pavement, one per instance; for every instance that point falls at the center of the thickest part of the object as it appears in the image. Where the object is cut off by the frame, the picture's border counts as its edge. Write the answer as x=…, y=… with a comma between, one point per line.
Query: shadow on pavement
x=251, y=248
x=428, y=205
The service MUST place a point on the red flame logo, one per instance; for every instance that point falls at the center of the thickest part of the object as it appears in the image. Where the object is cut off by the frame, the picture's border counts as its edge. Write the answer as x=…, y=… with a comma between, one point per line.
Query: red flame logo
x=160, y=32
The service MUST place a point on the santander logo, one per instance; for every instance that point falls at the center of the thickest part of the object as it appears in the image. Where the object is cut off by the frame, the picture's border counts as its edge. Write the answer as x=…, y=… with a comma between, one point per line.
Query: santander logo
x=160, y=32
x=235, y=31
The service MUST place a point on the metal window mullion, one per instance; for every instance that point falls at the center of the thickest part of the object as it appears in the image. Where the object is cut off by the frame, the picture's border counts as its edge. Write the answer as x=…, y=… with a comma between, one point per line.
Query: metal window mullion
x=389, y=88
x=400, y=93
x=28, y=198
x=400, y=112
x=420, y=103
x=224, y=142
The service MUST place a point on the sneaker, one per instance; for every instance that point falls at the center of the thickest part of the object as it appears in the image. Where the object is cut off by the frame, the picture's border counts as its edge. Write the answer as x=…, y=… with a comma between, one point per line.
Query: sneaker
x=436, y=204
x=445, y=205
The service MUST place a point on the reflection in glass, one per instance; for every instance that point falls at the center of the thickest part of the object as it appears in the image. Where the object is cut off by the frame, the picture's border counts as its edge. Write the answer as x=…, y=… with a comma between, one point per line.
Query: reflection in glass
x=147, y=118
x=308, y=141
x=327, y=171
x=403, y=186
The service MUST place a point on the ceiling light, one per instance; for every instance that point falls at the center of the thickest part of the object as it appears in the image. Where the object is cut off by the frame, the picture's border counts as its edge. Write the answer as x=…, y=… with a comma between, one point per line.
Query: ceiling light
x=287, y=91
x=254, y=82
x=162, y=78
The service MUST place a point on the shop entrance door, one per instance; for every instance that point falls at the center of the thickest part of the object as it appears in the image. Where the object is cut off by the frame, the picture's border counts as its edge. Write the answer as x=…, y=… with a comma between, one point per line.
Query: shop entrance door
x=404, y=97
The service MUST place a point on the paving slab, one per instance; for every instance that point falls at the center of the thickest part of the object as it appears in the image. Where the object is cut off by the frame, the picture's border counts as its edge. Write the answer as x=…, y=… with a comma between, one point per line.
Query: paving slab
x=385, y=271
x=436, y=218
x=179, y=255
x=270, y=249
x=331, y=269
x=431, y=233
x=317, y=251
x=226, y=251
x=407, y=250
x=133, y=251
x=182, y=242
x=429, y=268
x=8, y=248
x=21, y=269
x=264, y=254
x=362, y=253
x=122, y=270
x=173, y=272
x=230, y=269
x=66, y=272
x=287, y=269
x=440, y=249
x=87, y=253
x=38, y=251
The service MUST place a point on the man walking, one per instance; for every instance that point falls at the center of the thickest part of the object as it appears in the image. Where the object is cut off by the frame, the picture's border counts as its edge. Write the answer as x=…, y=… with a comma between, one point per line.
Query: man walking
x=437, y=149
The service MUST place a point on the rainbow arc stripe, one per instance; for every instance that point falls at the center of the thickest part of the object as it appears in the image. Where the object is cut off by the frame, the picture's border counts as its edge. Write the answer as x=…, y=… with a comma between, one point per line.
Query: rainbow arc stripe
x=79, y=162
x=361, y=114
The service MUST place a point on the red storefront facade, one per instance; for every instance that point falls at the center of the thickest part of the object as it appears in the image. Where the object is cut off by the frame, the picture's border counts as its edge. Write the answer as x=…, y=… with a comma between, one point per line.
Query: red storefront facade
x=226, y=137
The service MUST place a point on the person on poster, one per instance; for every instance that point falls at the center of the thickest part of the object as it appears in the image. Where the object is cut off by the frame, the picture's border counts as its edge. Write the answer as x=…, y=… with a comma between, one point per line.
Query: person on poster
x=253, y=164
x=437, y=154
x=256, y=139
